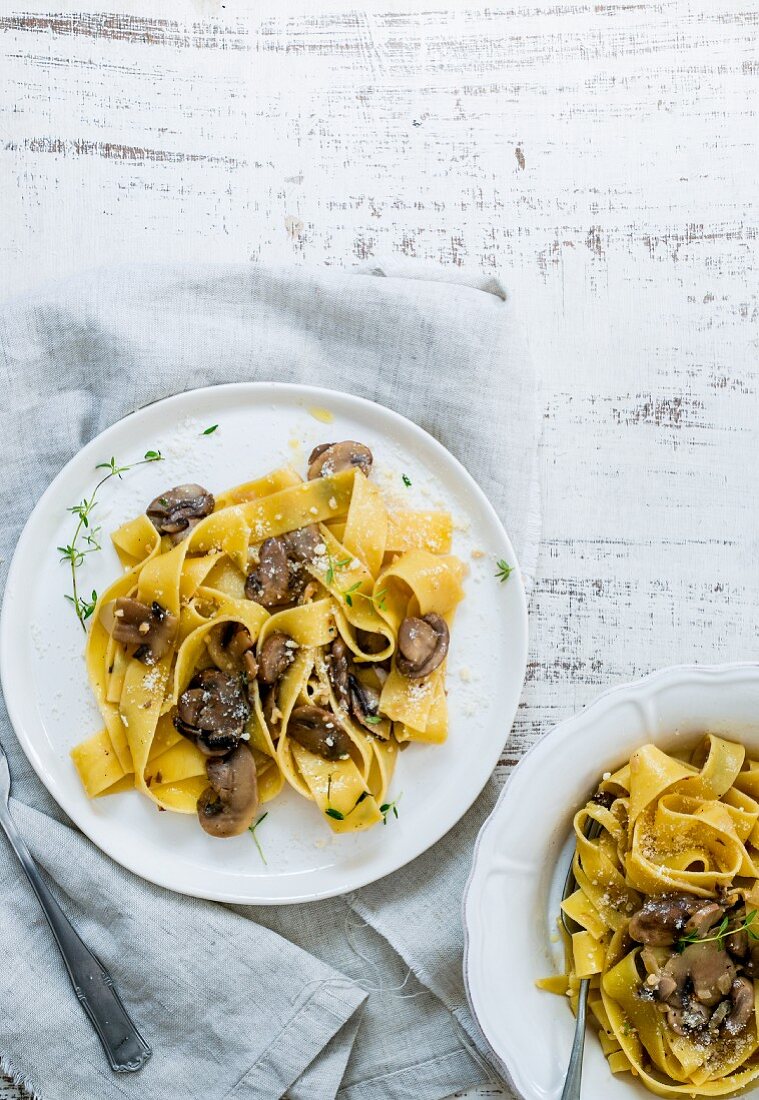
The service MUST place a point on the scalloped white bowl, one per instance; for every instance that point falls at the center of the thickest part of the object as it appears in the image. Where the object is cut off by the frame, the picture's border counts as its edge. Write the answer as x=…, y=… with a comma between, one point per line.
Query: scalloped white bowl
x=523, y=850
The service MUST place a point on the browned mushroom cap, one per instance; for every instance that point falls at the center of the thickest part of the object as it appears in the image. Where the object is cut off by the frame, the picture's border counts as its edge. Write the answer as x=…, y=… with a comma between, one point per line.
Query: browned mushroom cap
x=212, y=712
x=176, y=511
x=331, y=458
x=422, y=645
x=319, y=731
x=704, y=968
x=269, y=583
x=229, y=804
x=742, y=1000
x=737, y=944
x=357, y=698
x=231, y=649
x=663, y=918
x=303, y=543
x=149, y=626
x=276, y=656
x=279, y=578
x=339, y=666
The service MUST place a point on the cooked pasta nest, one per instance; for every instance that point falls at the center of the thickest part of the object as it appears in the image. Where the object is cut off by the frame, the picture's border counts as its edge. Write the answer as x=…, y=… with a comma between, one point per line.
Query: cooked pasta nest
x=667, y=915
x=285, y=631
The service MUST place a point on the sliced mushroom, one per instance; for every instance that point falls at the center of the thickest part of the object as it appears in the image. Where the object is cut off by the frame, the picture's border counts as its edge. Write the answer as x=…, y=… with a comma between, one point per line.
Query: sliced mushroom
x=269, y=583
x=422, y=645
x=704, y=919
x=176, y=511
x=279, y=578
x=276, y=656
x=231, y=649
x=742, y=1000
x=149, y=626
x=357, y=698
x=339, y=666
x=303, y=543
x=737, y=944
x=272, y=713
x=332, y=458
x=364, y=703
x=213, y=711
x=228, y=805
x=706, y=969
x=662, y=918
x=319, y=731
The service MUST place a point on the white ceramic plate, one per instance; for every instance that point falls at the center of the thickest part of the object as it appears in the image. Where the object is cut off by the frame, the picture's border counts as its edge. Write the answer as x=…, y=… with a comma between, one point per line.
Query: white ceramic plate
x=523, y=853
x=261, y=426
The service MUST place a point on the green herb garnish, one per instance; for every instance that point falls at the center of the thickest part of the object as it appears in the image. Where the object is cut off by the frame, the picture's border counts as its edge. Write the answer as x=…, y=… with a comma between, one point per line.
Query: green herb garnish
x=406, y=480
x=211, y=430
x=722, y=932
x=253, y=833
x=332, y=565
x=85, y=540
x=337, y=814
x=373, y=719
x=378, y=598
x=349, y=593
x=504, y=570
x=390, y=807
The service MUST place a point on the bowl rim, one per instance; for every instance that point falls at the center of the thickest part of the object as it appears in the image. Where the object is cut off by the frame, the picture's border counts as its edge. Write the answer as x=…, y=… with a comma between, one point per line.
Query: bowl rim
x=630, y=689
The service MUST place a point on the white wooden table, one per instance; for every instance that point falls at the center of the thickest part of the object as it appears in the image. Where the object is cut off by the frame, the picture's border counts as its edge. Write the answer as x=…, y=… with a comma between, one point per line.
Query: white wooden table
x=604, y=152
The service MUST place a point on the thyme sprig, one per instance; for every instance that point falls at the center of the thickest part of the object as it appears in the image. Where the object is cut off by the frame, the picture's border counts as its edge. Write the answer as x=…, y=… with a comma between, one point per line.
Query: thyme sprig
x=722, y=931
x=330, y=811
x=86, y=537
x=388, y=808
x=252, y=829
x=333, y=565
x=378, y=598
x=504, y=570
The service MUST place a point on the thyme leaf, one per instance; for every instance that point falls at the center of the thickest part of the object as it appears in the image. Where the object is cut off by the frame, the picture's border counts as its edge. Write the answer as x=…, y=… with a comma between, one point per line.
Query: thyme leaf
x=85, y=539
x=723, y=930
x=255, y=838
x=504, y=570
x=388, y=808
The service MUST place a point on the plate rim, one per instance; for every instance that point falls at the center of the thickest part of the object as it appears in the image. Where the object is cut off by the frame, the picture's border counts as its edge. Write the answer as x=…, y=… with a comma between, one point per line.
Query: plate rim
x=270, y=390
x=630, y=689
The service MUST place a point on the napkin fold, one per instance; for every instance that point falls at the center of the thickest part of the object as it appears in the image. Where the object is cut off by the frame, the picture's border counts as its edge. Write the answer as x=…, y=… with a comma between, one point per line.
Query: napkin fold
x=359, y=997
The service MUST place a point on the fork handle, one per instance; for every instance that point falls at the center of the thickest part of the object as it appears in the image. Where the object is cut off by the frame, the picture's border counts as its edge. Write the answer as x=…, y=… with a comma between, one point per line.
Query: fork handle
x=573, y=1083
x=125, y=1048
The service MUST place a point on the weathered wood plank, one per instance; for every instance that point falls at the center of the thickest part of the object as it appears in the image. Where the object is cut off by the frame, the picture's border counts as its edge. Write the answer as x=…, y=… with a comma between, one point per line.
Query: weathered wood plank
x=604, y=153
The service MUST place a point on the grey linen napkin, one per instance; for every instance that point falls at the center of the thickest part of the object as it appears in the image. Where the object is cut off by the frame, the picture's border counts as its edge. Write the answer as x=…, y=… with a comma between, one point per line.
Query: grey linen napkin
x=361, y=996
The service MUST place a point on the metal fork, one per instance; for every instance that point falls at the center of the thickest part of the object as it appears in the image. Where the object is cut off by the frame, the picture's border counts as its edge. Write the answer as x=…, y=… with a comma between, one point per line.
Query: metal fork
x=573, y=1084
x=125, y=1048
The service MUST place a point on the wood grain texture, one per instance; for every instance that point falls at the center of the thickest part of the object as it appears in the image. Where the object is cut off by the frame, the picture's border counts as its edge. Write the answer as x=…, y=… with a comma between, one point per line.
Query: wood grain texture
x=602, y=153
